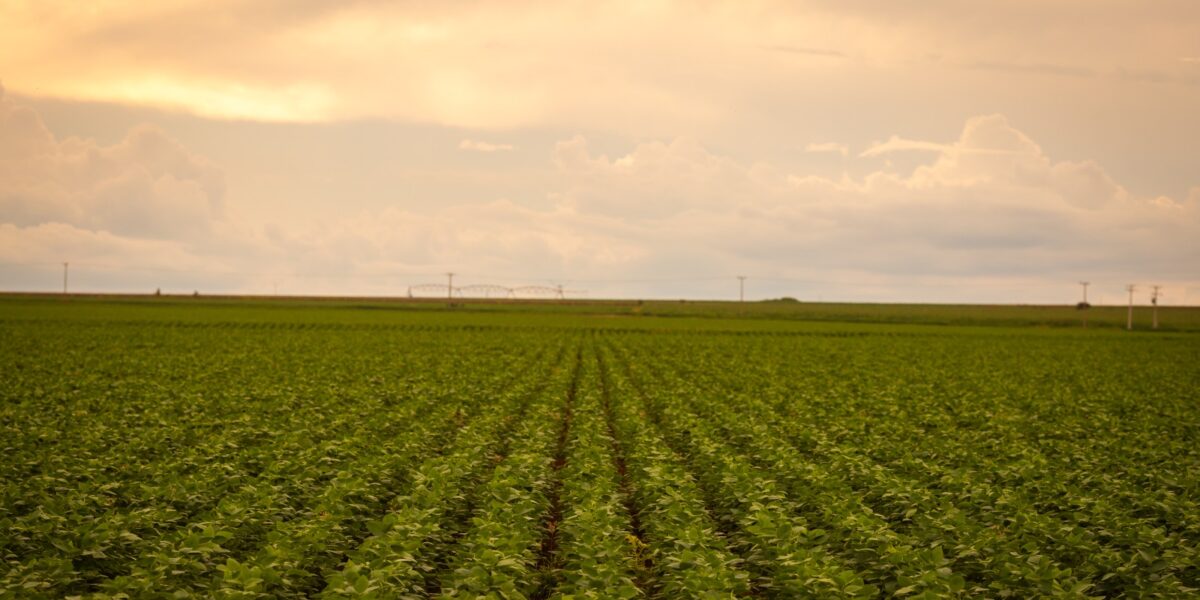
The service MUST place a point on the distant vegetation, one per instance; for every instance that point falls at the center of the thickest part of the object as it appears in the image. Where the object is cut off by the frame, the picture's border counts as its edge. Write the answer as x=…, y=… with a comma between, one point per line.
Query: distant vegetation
x=1171, y=318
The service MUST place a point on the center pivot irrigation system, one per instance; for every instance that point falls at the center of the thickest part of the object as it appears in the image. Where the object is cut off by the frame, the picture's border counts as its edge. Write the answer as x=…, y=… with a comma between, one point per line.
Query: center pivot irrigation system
x=448, y=290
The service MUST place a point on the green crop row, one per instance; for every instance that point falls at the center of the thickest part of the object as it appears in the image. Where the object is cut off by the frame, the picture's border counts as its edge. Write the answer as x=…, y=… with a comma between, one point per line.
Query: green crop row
x=595, y=557
x=689, y=557
x=402, y=556
x=498, y=555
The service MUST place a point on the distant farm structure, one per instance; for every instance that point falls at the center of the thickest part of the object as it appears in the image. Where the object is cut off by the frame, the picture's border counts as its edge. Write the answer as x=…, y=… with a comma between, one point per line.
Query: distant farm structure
x=488, y=291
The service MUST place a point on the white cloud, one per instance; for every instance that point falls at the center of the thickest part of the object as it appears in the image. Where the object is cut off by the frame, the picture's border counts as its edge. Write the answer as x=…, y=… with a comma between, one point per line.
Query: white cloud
x=899, y=144
x=145, y=186
x=478, y=146
x=989, y=206
x=657, y=180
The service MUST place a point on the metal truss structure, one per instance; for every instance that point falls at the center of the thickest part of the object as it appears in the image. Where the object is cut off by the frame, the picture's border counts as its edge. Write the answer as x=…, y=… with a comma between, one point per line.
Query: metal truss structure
x=441, y=290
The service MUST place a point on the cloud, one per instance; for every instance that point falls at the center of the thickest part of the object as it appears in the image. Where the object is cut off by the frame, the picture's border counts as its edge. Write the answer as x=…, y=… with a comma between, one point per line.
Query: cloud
x=989, y=149
x=478, y=146
x=988, y=207
x=830, y=147
x=668, y=66
x=145, y=186
x=989, y=204
x=658, y=179
x=899, y=144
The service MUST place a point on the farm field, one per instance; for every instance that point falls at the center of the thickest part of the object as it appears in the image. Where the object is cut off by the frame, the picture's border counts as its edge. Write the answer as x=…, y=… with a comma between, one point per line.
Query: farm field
x=258, y=449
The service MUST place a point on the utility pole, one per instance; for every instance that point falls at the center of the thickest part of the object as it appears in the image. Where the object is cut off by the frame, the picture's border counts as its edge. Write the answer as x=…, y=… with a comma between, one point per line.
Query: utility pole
x=1154, y=302
x=1085, y=306
x=1129, y=319
x=450, y=287
x=65, y=267
x=741, y=288
x=560, y=291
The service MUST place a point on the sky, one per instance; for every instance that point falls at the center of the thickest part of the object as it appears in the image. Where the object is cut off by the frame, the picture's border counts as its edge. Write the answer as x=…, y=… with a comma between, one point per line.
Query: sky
x=859, y=150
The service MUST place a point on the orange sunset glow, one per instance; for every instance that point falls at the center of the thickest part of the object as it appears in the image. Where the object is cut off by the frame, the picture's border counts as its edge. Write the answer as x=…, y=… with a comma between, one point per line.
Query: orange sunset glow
x=855, y=150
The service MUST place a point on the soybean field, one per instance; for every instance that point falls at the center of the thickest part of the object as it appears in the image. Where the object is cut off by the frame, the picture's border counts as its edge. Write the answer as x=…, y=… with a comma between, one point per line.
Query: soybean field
x=183, y=448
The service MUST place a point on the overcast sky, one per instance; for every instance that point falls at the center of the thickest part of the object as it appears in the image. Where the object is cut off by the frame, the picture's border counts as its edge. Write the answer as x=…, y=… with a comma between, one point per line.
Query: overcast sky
x=862, y=150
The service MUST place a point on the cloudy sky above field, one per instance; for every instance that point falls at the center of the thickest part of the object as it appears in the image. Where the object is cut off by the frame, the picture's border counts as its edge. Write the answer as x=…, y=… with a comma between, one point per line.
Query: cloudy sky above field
x=852, y=150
